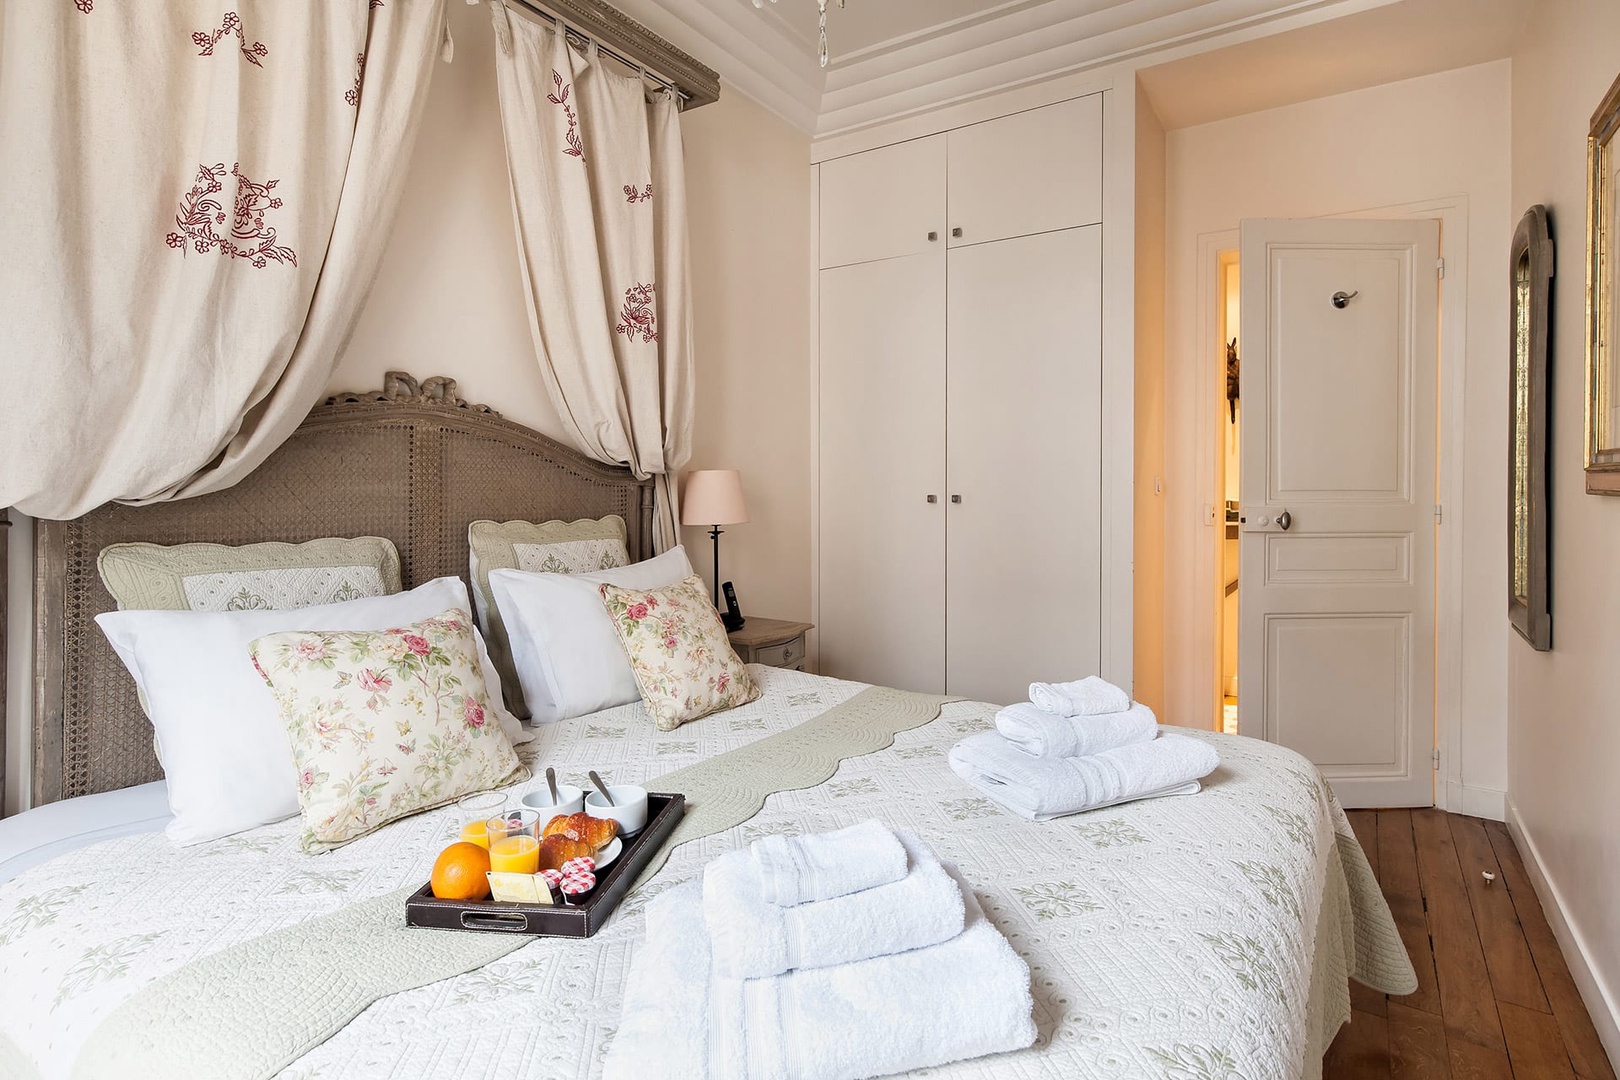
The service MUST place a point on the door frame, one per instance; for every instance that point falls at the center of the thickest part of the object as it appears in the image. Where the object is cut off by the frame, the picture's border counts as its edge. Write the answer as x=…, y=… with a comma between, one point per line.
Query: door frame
x=1452, y=212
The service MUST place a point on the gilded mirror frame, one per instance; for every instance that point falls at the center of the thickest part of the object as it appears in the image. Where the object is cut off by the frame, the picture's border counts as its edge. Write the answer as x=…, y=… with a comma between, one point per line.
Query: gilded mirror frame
x=1602, y=390
x=1530, y=269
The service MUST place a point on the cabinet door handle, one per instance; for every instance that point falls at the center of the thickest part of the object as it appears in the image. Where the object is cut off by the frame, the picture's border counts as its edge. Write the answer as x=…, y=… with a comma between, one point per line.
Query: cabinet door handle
x=957, y=232
x=932, y=235
x=933, y=498
x=956, y=498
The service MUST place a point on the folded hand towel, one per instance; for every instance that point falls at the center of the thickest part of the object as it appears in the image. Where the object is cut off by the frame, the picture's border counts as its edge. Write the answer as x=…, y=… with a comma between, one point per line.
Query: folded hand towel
x=1089, y=696
x=753, y=939
x=799, y=869
x=960, y=999
x=1039, y=788
x=1036, y=731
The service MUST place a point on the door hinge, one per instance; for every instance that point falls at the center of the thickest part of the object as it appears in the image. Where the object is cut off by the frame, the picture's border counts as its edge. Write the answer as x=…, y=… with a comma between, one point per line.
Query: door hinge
x=1440, y=267
x=1436, y=759
x=1439, y=513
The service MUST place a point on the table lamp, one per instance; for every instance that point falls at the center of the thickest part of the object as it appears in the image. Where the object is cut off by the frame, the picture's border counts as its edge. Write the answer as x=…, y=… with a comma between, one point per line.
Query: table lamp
x=714, y=498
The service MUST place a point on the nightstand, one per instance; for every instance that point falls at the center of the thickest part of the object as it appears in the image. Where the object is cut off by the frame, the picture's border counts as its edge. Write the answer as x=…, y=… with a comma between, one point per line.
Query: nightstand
x=771, y=642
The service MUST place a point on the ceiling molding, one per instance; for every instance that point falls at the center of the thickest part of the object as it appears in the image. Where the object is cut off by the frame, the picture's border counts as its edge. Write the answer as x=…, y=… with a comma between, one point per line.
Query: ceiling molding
x=1011, y=44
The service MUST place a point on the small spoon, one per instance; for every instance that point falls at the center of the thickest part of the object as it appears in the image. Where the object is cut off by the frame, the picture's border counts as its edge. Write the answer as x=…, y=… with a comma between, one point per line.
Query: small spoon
x=551, y=782
x=597, y=780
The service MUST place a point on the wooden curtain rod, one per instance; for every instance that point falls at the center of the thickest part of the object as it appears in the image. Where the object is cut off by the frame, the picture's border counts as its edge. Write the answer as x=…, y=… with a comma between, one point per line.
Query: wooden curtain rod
x=633, y=45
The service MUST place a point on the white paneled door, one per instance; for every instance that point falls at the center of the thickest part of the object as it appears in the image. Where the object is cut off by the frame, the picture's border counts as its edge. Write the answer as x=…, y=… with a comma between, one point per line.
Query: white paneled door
x=1337, y=560
x=880, y=537
x=1024, y=463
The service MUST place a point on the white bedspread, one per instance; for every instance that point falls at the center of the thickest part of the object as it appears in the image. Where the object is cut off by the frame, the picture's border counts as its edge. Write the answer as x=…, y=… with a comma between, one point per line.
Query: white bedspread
x=1170, y=938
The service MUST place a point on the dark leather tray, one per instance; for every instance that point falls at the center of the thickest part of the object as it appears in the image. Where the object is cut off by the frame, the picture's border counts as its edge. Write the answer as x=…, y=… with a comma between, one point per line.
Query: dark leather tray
x=664, y=813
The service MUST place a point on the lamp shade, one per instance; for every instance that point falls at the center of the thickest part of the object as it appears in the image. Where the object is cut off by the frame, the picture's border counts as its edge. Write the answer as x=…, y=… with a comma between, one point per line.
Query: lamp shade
x=713, y=497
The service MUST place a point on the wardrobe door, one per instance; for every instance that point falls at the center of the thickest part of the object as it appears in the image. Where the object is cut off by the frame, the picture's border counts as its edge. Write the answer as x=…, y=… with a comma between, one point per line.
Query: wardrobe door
x=881, y=420
x=1030, y=172
x=1024, y=457
x=883, y=203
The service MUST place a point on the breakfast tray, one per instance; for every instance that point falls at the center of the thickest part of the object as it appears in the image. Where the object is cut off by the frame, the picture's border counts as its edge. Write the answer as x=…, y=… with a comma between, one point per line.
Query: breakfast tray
x=538, y=920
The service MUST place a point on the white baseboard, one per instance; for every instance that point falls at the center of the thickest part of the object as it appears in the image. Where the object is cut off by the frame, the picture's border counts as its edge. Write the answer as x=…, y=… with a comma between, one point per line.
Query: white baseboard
x=1601, y=1003
x=1479, y=802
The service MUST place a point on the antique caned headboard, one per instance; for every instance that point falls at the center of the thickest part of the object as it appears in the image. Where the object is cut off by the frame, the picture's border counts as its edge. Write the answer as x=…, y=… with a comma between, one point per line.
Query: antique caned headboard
x=412, y=463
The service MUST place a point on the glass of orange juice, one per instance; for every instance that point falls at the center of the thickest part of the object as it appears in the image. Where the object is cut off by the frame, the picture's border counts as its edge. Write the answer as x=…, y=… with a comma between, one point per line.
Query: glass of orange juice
x=474, y=812
x=514, y=842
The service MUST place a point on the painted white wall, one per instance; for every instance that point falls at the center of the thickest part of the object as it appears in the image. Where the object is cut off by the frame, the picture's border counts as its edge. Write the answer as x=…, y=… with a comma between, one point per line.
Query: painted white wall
x=449, y=301
x=1564, y=705
x=1439, y=138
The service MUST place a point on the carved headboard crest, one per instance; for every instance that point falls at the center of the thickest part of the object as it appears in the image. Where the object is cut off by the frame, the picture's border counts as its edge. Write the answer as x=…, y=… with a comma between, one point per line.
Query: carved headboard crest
x=412, y=462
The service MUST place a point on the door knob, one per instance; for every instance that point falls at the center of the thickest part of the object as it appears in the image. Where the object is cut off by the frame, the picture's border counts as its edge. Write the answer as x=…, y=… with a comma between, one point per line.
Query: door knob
x=1341, y=299
x=1284, y=520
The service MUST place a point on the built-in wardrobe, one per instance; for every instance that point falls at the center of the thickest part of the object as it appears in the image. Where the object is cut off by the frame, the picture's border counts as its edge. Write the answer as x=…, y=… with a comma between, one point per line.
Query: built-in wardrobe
x=959, y=406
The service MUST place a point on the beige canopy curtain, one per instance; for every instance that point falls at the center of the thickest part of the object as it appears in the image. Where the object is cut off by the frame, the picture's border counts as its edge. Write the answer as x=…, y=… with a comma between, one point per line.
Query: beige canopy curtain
x=194, y=198
x=599, y=199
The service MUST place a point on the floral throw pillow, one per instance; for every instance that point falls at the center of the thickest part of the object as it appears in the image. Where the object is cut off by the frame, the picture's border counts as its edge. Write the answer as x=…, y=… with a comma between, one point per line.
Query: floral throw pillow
x=679, y=652
x=384, y=723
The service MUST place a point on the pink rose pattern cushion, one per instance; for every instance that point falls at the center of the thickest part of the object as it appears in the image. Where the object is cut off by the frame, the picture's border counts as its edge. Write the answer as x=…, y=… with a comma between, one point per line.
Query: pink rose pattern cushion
x=683, y=662
x=384, y=724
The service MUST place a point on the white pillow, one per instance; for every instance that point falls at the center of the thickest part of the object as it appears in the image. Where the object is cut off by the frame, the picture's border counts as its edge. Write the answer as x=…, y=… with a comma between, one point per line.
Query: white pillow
x=568, y=656
x=226, y=754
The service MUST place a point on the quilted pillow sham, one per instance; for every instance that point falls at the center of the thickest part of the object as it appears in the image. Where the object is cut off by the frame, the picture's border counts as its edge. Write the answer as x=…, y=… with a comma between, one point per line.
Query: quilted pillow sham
x=251, y=577
x=544, y=547
x=384, y=723
x=682, y=660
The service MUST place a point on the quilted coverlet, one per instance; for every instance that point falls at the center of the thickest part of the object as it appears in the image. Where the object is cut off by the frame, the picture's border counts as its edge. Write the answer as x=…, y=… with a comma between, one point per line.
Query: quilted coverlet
x=1195, y=938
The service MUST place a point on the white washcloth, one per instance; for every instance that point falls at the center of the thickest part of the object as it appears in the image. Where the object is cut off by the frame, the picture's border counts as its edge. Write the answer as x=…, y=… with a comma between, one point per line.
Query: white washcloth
x=799, y=869
x=961, y=999
x=1036, y=731
x=1039, y=788
x=753, y=939
x=1089, y=696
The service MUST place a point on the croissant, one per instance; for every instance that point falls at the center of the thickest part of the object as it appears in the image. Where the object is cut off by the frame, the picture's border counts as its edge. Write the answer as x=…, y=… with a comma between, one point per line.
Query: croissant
x=558, y=848
x=595, y=831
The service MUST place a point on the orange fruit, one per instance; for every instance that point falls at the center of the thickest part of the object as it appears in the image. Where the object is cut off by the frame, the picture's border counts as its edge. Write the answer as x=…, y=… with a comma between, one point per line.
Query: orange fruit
x=458, y=873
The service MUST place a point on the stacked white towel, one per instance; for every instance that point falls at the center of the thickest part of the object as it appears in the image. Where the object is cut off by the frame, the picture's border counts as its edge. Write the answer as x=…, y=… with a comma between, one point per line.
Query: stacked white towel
x=1079, y=746
x=798, y=869
x=1090, y=696
x=1040, y=788
x=833, y=1016
x=1036, y=731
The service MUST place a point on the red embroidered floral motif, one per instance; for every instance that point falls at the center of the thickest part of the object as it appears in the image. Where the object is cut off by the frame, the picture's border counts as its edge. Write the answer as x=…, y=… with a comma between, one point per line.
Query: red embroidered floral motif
x=249, y=237
x=232, y=24
x=631, y=195
x=638, y=317
x=86, y=6
x=576, y=148
x=352, y=95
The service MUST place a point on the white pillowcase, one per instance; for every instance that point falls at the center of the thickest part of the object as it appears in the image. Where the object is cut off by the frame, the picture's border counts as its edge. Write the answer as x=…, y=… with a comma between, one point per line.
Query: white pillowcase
x=568, y=656
x=226, y=754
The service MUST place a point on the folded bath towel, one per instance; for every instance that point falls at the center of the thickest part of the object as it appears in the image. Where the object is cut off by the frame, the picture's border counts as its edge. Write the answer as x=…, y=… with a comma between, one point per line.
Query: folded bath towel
x=1036, y=731
x=964, y=998
x=1039, y=788
x=799, y=869
x=753, y=939
x=1089, y=696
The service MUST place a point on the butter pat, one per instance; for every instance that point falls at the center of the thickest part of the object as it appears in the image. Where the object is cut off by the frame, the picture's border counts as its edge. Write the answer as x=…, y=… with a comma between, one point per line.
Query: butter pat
x=519, y=888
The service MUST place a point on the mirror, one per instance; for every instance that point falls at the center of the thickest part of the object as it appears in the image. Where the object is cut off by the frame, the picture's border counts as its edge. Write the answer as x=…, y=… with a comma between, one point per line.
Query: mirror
x=1531, y=269
x=1602, y=376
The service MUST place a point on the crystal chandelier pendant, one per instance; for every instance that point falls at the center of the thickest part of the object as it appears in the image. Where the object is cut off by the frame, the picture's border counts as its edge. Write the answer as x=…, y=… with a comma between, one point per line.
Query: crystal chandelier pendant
x=822, y=5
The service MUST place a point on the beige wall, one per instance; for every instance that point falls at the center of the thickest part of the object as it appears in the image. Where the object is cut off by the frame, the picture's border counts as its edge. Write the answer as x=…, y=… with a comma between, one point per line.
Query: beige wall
x=1444, y=138
x=1147, y=626
x=1564, y=705
x=449, y=301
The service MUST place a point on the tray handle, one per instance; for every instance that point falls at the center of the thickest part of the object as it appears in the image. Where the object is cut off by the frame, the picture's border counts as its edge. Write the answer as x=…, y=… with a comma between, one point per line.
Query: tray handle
x=513, y=923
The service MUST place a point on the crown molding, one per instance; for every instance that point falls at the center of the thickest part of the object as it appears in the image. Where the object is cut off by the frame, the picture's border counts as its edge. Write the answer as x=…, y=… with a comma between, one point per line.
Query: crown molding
x=1010, y=45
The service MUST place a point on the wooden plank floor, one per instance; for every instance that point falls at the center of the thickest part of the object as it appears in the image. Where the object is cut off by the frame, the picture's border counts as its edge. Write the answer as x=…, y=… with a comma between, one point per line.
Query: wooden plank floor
x=1494, y=998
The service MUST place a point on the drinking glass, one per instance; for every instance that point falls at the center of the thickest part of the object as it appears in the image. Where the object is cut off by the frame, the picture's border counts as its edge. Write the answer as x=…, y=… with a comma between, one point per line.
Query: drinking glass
x=474, y=812
x=514, y=842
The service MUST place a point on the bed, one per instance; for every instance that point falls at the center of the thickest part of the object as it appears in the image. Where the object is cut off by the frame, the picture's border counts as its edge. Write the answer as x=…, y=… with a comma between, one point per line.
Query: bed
x=1203, y=936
